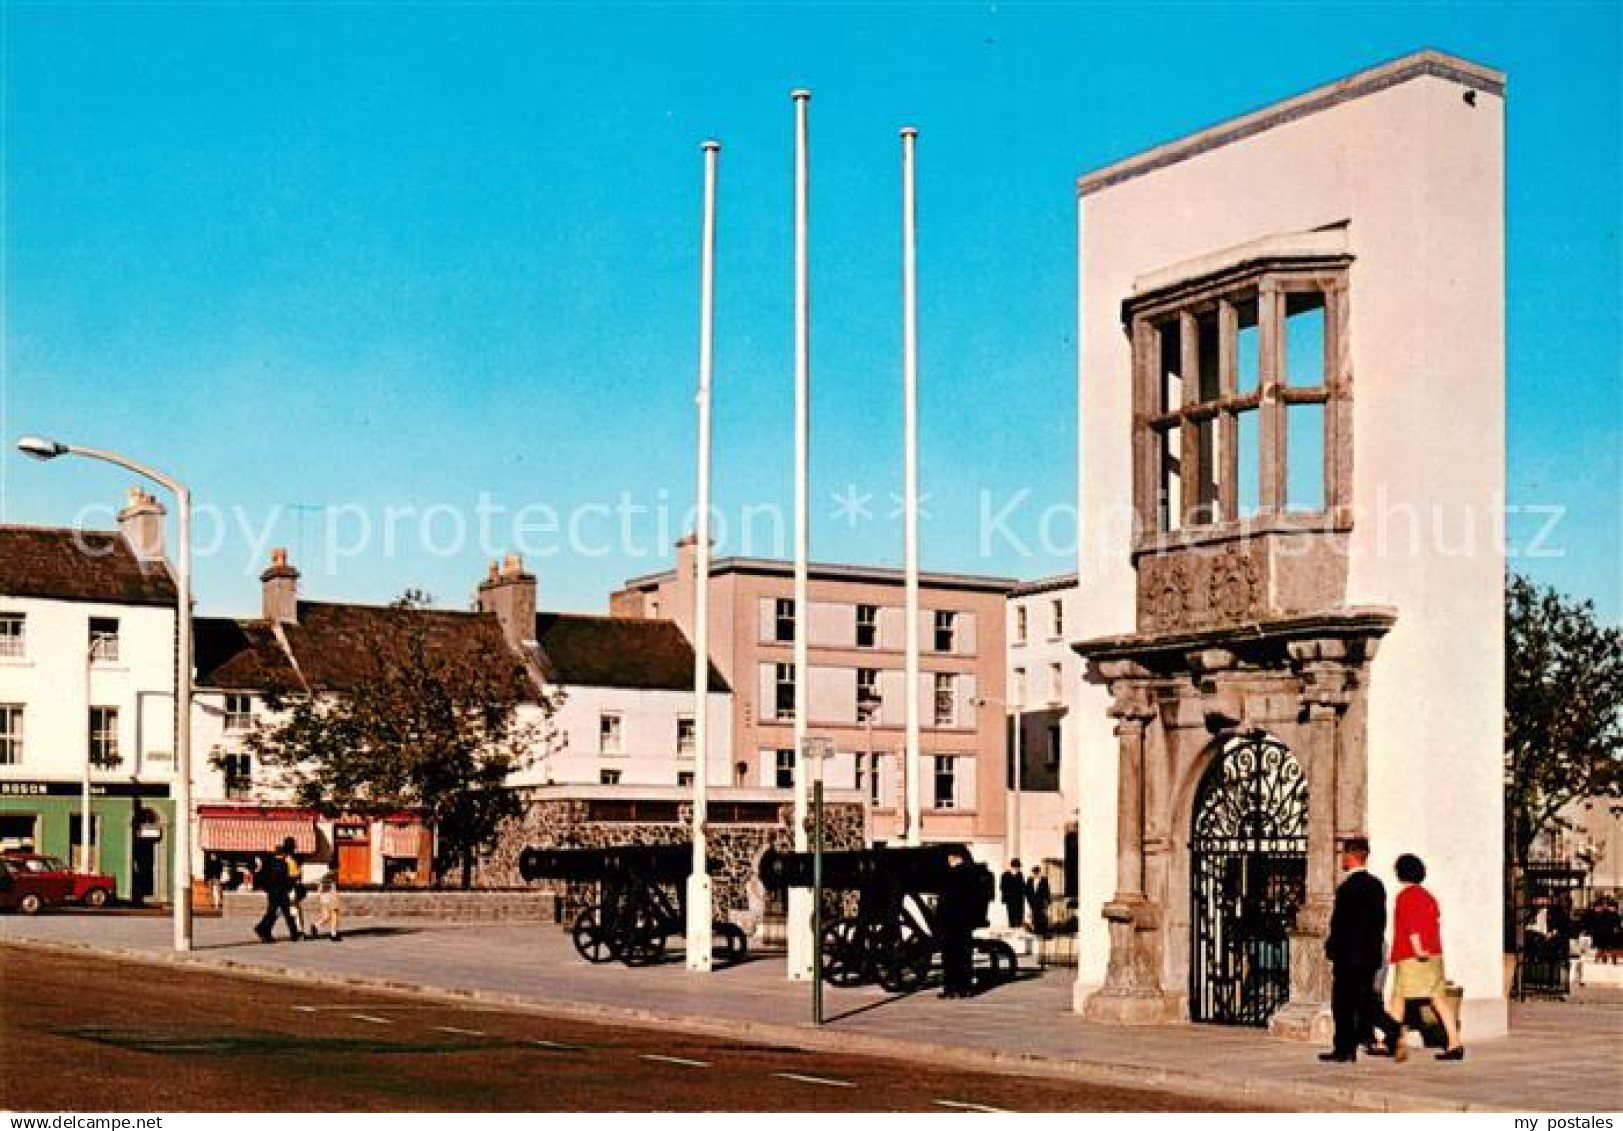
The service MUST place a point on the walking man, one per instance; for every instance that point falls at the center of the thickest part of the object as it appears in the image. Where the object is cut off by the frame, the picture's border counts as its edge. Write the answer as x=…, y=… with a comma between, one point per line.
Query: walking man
x=1354, y=947
x=1038, y=895
x=276, y=880
x=961, y=908
x=1011, y=890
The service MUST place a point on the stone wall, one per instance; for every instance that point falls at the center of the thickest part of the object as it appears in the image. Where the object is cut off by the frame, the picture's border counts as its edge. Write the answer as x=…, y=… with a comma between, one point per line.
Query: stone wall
x=419, y=903
x=736, y=846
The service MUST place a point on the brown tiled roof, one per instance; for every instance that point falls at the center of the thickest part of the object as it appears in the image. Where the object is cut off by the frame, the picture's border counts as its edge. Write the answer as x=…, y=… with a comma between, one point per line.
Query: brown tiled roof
x=587, y=651
x=331, y=642
x=236, y=655
x=79, y=565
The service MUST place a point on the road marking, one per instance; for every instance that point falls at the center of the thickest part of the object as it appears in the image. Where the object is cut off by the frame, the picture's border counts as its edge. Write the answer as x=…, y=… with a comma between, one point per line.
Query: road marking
x=554, y=1045
x=367, y=1017
x=815, y=1080
x=463, y=1032
x=305, y=1008
x=682, y=1060
x=960, y=1106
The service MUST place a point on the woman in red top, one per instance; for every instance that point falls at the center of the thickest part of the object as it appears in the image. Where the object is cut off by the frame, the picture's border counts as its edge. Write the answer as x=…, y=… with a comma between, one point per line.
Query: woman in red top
x=1417, y=954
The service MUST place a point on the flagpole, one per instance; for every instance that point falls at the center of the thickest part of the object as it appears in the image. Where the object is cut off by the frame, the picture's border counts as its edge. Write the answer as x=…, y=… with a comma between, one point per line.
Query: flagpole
x=699, y=896
x=910, y=444
x=800, y=942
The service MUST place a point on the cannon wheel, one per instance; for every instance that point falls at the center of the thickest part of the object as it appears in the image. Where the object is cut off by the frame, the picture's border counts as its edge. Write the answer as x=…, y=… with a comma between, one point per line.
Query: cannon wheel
x=728, y=943
x=644, y=949
x=909, y=967
x=843, y=963
x=1001, y=963
x=594, y=943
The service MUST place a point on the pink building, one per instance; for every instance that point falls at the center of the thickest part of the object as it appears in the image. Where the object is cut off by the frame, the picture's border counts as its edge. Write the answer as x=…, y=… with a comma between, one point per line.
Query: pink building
x=858, y=683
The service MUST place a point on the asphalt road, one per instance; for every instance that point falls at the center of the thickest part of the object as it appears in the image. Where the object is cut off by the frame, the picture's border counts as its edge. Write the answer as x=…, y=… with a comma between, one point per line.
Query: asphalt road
x=84, y=1033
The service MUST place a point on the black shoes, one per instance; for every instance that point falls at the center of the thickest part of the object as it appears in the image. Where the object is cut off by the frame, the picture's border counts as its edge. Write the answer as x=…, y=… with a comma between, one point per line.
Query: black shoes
x=1457, y=1053
x=264, y=936
x=1338, y=1057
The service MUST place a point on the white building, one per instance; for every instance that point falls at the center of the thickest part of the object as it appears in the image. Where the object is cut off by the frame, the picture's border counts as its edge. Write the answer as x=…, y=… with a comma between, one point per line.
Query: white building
x=1044, y=681
x=1292, y=460
x=87, y=694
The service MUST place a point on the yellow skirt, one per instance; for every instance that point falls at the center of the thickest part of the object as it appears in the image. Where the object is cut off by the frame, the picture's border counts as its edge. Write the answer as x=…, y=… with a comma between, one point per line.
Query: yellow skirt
x=1418, y=978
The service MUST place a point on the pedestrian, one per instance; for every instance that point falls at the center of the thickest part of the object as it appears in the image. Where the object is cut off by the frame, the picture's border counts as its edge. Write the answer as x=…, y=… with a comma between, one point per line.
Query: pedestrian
x=328, y=907
x=1417, y=954
x=1357, y=937
x=1038, y=895
x=213, y=876
x=959, y=910
x=1011, y=890
x=276, y=881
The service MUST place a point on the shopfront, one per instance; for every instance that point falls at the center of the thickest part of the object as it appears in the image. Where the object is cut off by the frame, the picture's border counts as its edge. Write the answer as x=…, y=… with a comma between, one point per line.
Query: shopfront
x=130, y=834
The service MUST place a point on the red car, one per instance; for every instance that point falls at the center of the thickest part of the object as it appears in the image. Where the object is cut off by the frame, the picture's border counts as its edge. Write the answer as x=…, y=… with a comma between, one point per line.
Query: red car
x=29, y=881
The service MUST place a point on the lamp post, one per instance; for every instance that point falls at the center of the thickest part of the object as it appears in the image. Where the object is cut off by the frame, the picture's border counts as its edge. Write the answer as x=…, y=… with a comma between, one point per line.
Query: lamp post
x=42, y=448
x=817, y=752
x=868, y=706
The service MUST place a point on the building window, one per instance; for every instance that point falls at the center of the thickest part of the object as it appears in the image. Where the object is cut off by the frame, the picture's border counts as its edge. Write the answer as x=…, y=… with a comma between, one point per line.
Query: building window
x=783, y=620
x=103, y=640
x=239, y=712
x=1057, y=610
x=867, y=693
x=945, y=630
x=946, y=702
x=610, y=733
x=1239, y=390
x=1054, y=737
x=239, y=775
x=13, y=634
x=784, y=769
x=608, y=777
x=785, y=701
x=11, y=734
x=875, y=778
x=1056, y=683
x=1022, y=625
x=741, y=773
x=946, y=780
x=1017, y=689
x=867, y=626
x=684, y=779
x=687, y=736
x=104, y=737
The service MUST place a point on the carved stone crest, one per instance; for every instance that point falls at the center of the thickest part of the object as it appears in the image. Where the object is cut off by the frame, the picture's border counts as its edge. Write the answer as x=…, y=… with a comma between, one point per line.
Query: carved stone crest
x=1233, y=587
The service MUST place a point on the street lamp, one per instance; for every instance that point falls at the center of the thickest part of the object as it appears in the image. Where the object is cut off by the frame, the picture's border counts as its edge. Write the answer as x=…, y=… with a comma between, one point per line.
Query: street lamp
x=43, y=448
x=818, y=751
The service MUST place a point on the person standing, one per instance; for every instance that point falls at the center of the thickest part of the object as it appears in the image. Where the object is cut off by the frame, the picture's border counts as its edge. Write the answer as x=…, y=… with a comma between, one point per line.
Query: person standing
x=276, y=881
x=1011, y=890
x=960, y=909
x=1038, y=896
x=1357, y=937
x=329, y=907
x=1417, y=955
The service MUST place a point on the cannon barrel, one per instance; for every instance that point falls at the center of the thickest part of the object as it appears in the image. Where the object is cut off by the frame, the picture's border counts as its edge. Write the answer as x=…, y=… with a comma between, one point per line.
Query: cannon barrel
x=921, y=869
x=660, y=863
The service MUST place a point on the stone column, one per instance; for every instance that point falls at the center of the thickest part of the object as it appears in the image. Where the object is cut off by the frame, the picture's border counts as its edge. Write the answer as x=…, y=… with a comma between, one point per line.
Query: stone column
x=1132, y=990
x=1306, y=1016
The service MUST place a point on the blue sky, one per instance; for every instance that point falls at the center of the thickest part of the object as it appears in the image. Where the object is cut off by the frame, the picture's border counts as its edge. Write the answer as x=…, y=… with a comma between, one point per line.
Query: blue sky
x=326, y=261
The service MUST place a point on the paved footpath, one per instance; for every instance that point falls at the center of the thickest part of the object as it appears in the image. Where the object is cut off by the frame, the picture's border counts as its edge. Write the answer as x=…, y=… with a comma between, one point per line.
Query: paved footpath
x=1561, y=1056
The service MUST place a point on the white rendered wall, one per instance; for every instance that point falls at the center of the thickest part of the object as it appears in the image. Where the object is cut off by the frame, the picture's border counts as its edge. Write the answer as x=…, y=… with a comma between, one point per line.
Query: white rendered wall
x=648, y=720
x=1416, y=171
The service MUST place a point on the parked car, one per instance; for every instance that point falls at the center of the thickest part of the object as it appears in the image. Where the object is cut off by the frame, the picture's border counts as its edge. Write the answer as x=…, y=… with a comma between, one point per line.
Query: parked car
x=54, y=882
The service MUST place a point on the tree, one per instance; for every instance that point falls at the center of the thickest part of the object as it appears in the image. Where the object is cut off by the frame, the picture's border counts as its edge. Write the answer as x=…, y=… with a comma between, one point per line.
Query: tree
x=430, y=725
x=1563, y=711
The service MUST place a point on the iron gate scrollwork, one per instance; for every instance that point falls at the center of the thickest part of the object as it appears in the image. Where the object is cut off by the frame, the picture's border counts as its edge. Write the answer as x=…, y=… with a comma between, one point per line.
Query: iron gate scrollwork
x=1248, y=875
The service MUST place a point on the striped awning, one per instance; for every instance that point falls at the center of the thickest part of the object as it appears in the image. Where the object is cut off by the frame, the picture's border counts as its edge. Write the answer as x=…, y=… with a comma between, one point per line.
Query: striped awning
x=257, y=834
x=404, y=840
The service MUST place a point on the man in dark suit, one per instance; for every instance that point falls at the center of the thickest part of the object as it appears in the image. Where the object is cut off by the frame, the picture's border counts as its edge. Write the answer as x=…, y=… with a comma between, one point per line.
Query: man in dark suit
x=961, y=908
x=1355, y=945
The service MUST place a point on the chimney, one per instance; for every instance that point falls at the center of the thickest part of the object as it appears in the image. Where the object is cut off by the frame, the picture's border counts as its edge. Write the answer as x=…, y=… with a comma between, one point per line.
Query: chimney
x=687, y=576
x=280, y=599
x=141, y=524
x=510, y=593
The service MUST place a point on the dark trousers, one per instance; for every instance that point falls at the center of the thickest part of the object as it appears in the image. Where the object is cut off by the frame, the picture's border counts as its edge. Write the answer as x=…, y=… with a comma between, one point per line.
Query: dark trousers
x=957, y=963
x=1017, y=911
x=1357, y=1007
x=276, y=901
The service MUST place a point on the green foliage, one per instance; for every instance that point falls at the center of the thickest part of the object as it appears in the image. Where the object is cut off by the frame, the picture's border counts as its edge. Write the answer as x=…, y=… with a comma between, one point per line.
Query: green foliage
x=1563, y=711
x=425, y=729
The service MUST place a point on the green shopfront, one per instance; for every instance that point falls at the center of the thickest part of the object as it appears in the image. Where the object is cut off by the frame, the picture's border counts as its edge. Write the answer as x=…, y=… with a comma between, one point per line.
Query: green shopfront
x=131, y=826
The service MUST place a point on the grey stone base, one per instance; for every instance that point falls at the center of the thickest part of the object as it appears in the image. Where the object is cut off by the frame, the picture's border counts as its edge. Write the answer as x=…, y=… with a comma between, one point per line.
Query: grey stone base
x=1132, y=1009
x=1303, y=1021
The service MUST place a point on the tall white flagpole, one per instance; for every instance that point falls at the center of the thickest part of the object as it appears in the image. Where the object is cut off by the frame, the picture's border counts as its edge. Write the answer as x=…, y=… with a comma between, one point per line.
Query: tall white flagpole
x=699, y=896
x=910, y=496
x=800, y=899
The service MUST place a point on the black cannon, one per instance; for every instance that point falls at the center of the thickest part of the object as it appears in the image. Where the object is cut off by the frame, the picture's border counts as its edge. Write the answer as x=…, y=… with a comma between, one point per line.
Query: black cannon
x=892, y=938
x=640, y=900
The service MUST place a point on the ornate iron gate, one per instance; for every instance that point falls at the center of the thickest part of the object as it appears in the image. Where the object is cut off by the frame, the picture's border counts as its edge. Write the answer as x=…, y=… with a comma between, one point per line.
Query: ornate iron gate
x=1248, y=875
